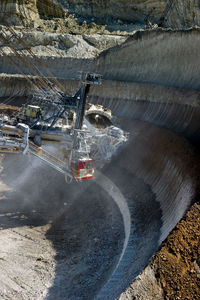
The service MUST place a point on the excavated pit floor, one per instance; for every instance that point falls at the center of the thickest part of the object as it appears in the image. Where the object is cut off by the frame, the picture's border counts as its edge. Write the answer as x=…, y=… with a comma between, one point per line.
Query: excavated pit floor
x=57, y=242
x=75, y=241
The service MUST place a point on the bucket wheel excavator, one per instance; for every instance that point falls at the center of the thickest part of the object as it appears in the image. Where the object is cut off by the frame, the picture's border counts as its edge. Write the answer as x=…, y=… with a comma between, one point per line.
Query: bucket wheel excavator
x=76, y=132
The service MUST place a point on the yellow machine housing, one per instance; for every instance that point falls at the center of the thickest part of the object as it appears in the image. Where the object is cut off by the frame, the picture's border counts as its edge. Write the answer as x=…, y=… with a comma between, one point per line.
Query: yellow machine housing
x=33, y=111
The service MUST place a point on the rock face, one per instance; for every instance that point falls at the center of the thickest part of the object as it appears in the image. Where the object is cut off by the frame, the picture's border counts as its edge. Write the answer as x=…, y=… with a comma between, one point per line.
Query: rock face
x=175, y=14
x=158, y=56
x=29, y=13
x=60, y=45
x=134, y=11
x=144, y=287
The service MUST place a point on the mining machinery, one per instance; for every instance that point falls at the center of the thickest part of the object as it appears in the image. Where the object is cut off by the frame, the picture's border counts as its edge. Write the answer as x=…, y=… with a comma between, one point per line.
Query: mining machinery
x=64, y=131
x=83, y=132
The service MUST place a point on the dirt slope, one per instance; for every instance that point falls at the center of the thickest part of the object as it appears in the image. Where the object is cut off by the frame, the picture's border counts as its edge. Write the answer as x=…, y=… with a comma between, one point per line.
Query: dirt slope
x=177, y=264
x=174, y=271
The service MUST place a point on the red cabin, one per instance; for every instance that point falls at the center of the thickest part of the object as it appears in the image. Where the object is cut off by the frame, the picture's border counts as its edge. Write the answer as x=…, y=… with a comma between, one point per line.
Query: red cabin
x=82, y=169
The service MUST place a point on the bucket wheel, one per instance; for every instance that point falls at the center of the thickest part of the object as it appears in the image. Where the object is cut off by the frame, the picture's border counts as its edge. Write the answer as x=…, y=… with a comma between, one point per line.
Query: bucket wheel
x=99, y=116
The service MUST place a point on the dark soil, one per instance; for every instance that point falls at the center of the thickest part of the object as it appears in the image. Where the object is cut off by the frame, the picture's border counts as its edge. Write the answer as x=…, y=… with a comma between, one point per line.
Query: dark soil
x=177, y=264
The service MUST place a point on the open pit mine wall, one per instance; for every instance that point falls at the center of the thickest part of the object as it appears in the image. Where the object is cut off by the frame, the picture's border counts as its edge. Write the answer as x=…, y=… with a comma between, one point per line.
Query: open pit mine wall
x=164, y=57
x=156, y=72
x=168, y=13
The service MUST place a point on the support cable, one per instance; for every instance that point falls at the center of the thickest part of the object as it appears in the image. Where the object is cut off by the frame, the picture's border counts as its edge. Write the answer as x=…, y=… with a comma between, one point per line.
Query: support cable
x=45, y=69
